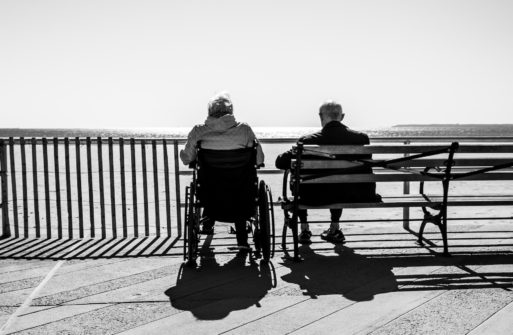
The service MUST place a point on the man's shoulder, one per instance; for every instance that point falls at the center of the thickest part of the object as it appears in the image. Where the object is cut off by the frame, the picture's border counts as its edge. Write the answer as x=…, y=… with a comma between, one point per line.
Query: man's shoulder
x=243, y=125
x=311, y=138
x=357, y=133
x=198, y=129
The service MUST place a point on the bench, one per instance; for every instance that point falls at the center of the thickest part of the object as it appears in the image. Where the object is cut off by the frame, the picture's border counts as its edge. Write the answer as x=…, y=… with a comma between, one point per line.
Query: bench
x=441, y=164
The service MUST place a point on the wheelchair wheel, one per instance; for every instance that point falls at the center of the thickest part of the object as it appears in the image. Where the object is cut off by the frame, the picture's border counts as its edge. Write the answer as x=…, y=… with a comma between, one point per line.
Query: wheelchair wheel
x=265, y=232
x=191, y=227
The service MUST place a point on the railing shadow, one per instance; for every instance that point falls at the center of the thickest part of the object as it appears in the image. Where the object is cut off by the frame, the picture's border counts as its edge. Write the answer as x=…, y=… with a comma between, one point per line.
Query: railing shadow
x=59, y=249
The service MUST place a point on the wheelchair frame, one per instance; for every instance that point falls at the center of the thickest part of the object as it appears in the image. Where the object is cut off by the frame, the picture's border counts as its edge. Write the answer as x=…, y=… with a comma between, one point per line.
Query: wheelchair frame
x=262, y=225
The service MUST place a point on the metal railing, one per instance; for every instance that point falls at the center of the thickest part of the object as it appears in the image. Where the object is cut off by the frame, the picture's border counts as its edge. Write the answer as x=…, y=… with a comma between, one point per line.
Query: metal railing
x=87, y=187
x=110, y=187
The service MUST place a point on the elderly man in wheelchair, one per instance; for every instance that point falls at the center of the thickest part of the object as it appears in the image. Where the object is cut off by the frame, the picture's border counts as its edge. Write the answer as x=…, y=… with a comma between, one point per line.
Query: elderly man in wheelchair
x=225, y=155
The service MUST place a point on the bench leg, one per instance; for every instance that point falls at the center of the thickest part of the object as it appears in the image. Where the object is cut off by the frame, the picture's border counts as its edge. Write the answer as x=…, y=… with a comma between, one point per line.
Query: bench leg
x=406, y=218
x=443, y=230
x=439, y=220
x=428, y=217
x=421, y=230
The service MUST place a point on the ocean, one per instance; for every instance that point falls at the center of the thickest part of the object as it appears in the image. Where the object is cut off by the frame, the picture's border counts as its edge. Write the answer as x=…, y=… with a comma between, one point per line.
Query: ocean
x=412, y=130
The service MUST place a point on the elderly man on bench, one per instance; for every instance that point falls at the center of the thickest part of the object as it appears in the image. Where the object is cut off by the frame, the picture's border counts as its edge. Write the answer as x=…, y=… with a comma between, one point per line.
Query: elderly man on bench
x=336, y=133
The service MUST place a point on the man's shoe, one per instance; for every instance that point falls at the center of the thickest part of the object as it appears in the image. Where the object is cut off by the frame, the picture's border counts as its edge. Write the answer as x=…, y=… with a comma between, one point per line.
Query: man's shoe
x=207, y=226
x=333, y=236
x=305, y=237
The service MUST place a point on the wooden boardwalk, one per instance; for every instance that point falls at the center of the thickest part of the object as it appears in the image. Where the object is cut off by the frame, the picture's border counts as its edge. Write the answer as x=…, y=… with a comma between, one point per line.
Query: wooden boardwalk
x=379, y=282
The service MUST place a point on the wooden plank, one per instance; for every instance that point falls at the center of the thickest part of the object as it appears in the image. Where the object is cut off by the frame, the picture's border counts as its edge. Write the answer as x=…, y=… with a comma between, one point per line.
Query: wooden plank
x=24, y=187
x=156, y=186
x=168, y=195
x=419, y=163
x=145, y=189
x=47, y=189
x=68, y=188
x=487, y=176
x=57, y=186
x=485, y=148
x=79, y=188
x=419, y=201
x=374, y=149
x=112, y=189
x=134, y=187
x=362, y=178
x=498, y=323
x=90, y=186
x=402, y=149
x=325, y=164
x=102, y=193
x=123, y=185
x=478, y=162
x=35, y=188
x=391, y=202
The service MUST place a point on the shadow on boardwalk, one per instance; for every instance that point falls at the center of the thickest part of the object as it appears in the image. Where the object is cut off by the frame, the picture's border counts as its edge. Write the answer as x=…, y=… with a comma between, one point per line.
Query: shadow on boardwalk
x=340, y=274
x=211, y=291
x=359, y=277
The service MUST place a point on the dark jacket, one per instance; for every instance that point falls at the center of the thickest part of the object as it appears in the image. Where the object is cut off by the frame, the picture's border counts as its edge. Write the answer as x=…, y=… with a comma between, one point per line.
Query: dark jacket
x=318, y=194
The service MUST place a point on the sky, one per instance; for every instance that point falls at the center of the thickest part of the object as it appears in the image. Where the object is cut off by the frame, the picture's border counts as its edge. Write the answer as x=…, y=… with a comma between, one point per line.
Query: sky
x=127, y=63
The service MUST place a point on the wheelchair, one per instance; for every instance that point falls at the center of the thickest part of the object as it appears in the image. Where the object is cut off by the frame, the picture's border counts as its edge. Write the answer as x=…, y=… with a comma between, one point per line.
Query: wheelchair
x=225, y=185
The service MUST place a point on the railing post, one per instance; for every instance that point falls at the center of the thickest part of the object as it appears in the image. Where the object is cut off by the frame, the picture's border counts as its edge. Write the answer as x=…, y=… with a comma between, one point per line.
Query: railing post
x=406, y=190
x=166, y=179
x=12, y=163
x=24, y=187
x=177, y=187
x=156, y=186
x=35, y=187
x=57, y=186
x=6, y=229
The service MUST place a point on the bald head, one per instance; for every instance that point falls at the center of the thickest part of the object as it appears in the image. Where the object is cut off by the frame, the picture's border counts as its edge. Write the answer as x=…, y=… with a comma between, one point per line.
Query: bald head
x=330, y=111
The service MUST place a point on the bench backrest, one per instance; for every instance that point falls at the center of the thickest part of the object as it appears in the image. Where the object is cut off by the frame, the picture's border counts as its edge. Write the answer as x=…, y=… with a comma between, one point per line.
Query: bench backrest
x=390, y=163
x=483, y=162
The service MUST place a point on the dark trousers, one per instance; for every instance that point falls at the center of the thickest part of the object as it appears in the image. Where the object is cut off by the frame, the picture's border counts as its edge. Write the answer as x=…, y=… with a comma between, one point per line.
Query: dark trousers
x=241, y=232
x=336, y=213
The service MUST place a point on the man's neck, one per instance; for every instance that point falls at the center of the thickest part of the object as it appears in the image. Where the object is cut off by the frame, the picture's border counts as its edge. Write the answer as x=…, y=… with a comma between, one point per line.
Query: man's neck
x=331, y=122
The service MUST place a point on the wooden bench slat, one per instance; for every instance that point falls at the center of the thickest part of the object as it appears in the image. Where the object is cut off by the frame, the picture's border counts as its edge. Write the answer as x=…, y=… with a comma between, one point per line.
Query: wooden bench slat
x=397, y=177
x=342, y=164
x=419, y=201
x=485, y=148
x=410, y=149
x=487, y=176
x=362, y=178
x=374, y=149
